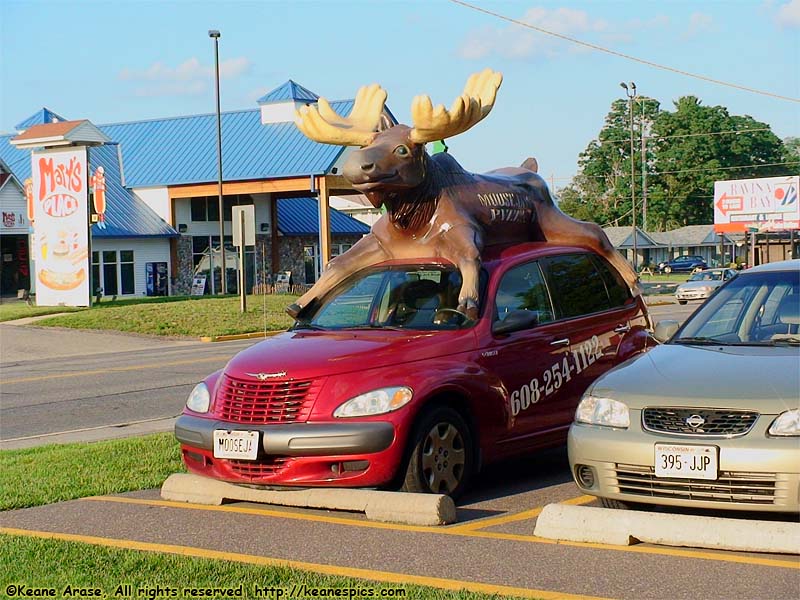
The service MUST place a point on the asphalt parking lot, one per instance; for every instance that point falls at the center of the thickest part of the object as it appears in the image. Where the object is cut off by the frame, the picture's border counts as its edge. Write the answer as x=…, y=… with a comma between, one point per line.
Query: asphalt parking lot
x=492, y=548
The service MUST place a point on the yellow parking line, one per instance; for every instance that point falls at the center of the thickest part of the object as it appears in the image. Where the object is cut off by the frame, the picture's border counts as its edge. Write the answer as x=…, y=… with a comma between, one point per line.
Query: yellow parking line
x=342, y=571
x=158, y=365
x=455, y=530
x=513, y=518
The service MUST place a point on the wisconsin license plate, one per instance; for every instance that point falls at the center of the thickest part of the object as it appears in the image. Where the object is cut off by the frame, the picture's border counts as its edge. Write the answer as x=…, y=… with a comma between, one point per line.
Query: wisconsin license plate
x=686, y=462
x=242, y=445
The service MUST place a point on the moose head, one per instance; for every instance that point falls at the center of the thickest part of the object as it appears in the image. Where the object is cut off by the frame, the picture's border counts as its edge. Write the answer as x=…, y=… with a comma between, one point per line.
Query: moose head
x=393, y=159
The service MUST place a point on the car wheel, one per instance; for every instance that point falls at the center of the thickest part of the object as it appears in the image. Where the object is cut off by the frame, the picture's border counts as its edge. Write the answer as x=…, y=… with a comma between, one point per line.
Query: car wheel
x=682, y=301
x=442, y=457
x=667, y=270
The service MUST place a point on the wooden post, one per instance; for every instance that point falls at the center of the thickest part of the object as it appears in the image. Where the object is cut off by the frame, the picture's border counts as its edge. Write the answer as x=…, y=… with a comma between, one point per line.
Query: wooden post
x=324, y=222
x=242, y=278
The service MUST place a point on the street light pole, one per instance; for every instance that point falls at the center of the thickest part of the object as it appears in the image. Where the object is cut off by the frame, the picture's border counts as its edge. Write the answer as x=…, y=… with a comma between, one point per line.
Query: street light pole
x=630, y=92
x=213, y=33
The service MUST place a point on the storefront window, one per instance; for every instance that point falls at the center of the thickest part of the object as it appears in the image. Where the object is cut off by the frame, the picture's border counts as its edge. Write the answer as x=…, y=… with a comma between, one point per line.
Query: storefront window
x=110, y=287
x=126, y=269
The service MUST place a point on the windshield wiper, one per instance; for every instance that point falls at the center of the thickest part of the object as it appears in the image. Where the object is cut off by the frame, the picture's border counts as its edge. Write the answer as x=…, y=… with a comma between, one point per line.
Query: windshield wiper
x=789, y=340
x=376, y=326
x=299, y=325
x=697, y=340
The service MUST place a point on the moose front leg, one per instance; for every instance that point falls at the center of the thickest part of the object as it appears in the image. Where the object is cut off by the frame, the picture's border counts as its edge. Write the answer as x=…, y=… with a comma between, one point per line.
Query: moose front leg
x=367, y=251
x=463, y=247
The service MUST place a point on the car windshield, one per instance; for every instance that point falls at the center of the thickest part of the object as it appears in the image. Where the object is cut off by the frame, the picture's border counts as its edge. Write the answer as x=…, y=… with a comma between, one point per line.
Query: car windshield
x=706, y=276
x=751, y=309
x=392, y=298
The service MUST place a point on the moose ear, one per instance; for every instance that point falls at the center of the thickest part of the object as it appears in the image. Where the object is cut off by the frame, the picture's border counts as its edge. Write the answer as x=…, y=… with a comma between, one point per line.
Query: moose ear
x=384, y=124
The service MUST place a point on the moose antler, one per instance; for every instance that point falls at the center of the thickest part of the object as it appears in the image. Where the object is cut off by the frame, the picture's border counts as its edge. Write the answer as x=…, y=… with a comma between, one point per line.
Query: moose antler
x=322, y=124
x=474, y=104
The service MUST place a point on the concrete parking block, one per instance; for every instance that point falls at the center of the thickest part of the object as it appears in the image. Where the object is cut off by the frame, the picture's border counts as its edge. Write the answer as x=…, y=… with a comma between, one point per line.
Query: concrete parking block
x=622, y=528
x=389, y=507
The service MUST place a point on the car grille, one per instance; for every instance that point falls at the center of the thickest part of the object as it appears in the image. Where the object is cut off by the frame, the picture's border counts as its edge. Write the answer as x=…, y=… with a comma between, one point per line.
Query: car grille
x=716, y=422
x=256, y=470
x=265, y=402
x=730, y=486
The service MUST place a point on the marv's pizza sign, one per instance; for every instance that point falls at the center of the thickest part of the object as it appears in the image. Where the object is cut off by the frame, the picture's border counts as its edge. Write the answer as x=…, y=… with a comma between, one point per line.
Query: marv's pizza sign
x=766, y=204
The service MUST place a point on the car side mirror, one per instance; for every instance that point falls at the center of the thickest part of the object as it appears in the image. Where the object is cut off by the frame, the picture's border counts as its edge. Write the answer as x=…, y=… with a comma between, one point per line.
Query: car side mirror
x=665, y=329
x=516, y=321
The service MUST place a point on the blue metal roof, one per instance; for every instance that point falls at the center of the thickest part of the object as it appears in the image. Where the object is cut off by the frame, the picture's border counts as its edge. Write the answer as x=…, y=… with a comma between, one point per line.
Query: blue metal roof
x=126, y=214
x=290, y=90
x=183, y=150
x=45, y=115
x=300, y=216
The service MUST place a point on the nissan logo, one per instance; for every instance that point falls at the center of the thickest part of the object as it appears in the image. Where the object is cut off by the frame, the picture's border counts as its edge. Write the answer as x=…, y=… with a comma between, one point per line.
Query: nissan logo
x=695, y=421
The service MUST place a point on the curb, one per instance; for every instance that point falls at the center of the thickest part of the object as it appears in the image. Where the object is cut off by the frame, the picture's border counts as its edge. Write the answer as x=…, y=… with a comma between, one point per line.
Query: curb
x=239, y=336
x=626, y=527
x=389, y=507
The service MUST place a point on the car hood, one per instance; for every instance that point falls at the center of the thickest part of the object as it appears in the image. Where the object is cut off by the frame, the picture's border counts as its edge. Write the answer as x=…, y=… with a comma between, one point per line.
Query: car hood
x=762, y=378
x=312, y=354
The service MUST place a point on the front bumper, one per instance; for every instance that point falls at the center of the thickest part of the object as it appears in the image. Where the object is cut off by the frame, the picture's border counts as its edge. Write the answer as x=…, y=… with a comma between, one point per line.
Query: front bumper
x=756, y=473
x=363, y=453
x=692, y=295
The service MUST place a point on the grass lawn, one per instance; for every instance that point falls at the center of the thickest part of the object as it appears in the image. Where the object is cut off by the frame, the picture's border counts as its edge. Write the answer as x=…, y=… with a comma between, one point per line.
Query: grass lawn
x=182, y=316
x=48, y=474
x=15, y=309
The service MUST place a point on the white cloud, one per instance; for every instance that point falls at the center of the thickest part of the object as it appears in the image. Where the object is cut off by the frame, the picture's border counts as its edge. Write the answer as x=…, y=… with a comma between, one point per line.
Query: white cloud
x=699, y=23
x=187, y=79
x=789, y=14
x=518, y=42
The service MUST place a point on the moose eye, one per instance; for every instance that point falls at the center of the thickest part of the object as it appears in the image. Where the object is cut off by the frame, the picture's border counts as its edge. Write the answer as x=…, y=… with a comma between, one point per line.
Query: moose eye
x=402, y=150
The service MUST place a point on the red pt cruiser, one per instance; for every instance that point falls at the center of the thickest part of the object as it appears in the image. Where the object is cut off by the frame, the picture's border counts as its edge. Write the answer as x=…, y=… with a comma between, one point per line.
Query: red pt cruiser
x=385, y=383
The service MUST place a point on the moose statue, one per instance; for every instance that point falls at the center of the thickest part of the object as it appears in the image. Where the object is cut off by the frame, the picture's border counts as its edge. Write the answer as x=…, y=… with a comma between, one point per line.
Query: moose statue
x=434, y=208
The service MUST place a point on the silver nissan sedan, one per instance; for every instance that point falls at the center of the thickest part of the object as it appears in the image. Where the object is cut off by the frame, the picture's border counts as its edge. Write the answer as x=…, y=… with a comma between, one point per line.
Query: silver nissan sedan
x=710, y=418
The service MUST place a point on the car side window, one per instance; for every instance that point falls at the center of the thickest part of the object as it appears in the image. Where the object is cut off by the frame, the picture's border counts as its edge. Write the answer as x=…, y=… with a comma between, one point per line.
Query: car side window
x=618, y=292
x=576, y=285
x=523, y=288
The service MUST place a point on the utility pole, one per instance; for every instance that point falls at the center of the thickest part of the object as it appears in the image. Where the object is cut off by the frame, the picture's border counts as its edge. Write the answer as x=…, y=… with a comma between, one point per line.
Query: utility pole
x=630, y=92
x=644, y=171
x=215, y=35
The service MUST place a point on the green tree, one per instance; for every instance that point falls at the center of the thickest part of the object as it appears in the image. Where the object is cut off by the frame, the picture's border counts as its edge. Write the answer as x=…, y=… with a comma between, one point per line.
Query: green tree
x=686, y=152
x=601, y=192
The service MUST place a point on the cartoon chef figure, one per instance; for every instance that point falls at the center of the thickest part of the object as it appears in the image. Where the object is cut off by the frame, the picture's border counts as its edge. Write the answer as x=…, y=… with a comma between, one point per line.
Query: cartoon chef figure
x=99, y=189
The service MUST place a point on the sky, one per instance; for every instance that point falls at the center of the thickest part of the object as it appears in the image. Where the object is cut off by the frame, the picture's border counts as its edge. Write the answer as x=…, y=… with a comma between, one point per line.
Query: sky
x=124, y=60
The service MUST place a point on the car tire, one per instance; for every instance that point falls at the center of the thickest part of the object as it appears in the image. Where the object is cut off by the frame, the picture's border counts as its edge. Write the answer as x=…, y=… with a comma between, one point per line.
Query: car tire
x=442, y=458
x=682, y=301
x=667, y=270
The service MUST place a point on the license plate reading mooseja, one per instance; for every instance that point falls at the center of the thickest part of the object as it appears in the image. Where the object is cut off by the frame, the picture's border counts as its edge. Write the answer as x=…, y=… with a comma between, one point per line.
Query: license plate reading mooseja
x=242, y=445
x=686, y=462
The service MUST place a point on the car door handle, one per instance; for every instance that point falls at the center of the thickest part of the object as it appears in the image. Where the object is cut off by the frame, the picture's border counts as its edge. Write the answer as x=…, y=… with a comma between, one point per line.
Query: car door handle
x=561, y=342
x=622, y=329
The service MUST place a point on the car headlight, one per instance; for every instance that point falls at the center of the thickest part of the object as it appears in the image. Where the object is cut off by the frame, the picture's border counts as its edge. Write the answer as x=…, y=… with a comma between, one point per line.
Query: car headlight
x=376, y=402
x=199, y=400
x=787, y=423
x=594, y=410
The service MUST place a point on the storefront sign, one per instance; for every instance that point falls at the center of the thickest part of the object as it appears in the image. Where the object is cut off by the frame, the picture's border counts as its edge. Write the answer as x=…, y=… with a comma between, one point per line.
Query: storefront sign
x=61, y=232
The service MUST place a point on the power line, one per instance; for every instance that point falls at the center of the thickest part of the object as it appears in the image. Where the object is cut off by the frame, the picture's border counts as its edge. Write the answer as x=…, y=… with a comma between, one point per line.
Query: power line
x=685, y=135
x=621, y=55
x=728, y=168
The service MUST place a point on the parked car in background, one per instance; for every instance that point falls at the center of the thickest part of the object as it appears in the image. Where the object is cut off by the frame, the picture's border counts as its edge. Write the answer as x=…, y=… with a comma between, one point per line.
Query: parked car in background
x=682, y=264
x=709, y=419
x=385, y=383
x=702, y=284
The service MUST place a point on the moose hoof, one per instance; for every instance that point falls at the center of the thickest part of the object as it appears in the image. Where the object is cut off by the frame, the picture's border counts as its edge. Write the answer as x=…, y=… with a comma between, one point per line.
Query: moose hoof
x=293, y=310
